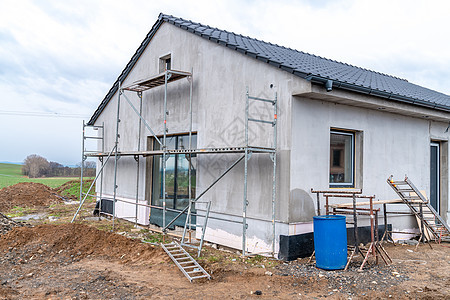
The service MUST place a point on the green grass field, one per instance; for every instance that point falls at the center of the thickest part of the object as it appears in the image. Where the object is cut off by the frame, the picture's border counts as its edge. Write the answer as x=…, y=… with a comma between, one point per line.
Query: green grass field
x=10, y=174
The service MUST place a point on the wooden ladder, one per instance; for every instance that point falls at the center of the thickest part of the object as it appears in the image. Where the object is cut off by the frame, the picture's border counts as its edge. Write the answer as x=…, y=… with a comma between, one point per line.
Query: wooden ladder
x=437, y=228
x=184, y=261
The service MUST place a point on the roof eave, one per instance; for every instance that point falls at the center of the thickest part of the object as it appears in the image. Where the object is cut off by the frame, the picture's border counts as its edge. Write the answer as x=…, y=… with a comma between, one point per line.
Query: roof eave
x=374, y=92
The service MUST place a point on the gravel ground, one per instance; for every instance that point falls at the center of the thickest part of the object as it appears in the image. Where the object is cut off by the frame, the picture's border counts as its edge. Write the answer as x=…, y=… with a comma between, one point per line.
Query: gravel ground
x=373, y=278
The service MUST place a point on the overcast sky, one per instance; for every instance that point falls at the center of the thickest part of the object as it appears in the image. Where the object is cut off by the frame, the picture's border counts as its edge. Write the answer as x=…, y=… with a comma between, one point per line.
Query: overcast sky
x=58, y=59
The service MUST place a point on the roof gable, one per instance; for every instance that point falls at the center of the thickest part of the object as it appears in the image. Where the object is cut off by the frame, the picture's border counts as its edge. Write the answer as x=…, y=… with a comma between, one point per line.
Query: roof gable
x=304, y=65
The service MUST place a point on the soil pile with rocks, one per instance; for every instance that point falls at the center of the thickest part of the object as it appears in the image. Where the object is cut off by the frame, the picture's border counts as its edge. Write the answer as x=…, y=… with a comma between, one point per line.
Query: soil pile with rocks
x=27, y=194
x=69, y=261
x=76, y=241
x=6, y=224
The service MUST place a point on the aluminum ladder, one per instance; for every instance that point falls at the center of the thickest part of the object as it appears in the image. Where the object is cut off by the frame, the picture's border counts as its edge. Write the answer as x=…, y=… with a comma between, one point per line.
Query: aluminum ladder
x=184, y=261
x=422, y=209
x=188, y=225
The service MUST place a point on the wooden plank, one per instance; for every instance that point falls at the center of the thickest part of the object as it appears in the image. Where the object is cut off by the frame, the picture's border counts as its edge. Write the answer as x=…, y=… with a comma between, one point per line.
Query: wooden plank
x=366, y=203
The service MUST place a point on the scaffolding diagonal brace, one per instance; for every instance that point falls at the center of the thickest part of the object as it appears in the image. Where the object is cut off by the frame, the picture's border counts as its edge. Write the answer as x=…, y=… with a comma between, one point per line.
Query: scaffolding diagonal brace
x=93, y=182
x=204, y=192
x=142, y=119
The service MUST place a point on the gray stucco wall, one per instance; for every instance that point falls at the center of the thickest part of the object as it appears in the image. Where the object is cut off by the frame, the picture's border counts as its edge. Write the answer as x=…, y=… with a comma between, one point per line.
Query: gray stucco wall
x=391, y=143
x=220, y=80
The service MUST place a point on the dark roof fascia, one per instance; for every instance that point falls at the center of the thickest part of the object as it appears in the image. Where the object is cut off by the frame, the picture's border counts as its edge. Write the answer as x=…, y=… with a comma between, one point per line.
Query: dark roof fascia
x=377, y=93
x=126, y=71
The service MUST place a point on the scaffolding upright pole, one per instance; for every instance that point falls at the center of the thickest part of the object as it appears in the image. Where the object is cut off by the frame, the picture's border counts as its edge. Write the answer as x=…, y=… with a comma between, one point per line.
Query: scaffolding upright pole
x=83, y=157
x=92, y=184
x=190, y=148
x=101, y=174
x=274, y=177
x=166, y=75
x=116, y=156
x=245, y=202
x=137, y=156
x=188, y=221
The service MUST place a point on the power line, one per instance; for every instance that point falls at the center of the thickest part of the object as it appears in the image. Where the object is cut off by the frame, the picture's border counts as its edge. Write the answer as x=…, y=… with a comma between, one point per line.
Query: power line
x=41, y=114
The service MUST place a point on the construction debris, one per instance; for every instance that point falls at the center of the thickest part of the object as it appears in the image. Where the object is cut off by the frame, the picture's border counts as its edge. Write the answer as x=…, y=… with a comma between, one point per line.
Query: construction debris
x=6, y=224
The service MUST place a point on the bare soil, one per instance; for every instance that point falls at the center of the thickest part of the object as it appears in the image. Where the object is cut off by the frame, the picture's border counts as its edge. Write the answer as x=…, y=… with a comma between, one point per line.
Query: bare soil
x=85, y=260
x=27, y=194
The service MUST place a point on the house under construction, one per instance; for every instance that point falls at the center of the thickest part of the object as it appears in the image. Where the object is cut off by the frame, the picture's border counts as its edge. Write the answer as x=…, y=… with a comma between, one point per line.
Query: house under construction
x=227, y=135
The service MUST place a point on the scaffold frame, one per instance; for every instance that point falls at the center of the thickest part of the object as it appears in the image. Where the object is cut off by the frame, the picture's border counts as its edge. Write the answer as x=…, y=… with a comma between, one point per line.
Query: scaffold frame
x=163, y=79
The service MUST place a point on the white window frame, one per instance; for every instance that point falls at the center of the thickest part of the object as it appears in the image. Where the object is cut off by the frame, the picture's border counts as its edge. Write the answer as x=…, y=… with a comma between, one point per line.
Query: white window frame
x=352, y=183
x=438, y=184
x=162, y=62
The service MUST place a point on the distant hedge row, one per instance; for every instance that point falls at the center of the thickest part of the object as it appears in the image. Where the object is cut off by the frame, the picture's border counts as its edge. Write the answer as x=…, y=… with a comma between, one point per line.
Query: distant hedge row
x=35, y=166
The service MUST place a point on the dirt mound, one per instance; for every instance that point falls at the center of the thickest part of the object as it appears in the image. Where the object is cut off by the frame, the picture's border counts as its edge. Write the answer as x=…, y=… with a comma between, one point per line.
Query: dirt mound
x=67, y=185
x=67, y=188
x=77, y=241
x=27, y=194
x=6, y=224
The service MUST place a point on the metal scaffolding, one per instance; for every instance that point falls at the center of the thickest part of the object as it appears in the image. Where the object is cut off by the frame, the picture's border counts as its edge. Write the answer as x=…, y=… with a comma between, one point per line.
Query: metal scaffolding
x=247, y=150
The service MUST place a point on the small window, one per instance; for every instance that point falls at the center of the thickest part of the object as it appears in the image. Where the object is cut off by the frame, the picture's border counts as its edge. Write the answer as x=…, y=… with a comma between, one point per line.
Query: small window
x=165, y=63
x=342, y=159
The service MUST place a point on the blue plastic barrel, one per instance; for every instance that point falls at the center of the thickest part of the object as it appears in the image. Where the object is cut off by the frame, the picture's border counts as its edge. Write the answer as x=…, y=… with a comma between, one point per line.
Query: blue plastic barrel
x=330, y=242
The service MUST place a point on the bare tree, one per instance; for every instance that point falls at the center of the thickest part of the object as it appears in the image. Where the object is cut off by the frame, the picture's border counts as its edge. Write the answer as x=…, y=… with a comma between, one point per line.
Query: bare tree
x=35, y=166
x=88, y=168
x=90, y=164
x=56, y=169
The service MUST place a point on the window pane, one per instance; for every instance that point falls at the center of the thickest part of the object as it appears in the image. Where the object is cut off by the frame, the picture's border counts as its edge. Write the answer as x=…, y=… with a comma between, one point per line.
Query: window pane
x=157, y=196
x=156, y=180
x=177, y=174
x=183, y=142
x=341, y=158
x=183, y=180
x=182, y=197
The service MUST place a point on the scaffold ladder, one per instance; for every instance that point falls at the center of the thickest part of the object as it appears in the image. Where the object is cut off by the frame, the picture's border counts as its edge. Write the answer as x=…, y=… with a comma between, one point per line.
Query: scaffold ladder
x=184, y=261
x=429, y=218
x=85, y=153
x=188, y=226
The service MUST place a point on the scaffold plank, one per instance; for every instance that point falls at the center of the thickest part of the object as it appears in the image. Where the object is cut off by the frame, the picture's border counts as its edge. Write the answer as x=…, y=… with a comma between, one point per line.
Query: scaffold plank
x=157, y=80
x=187, y=151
